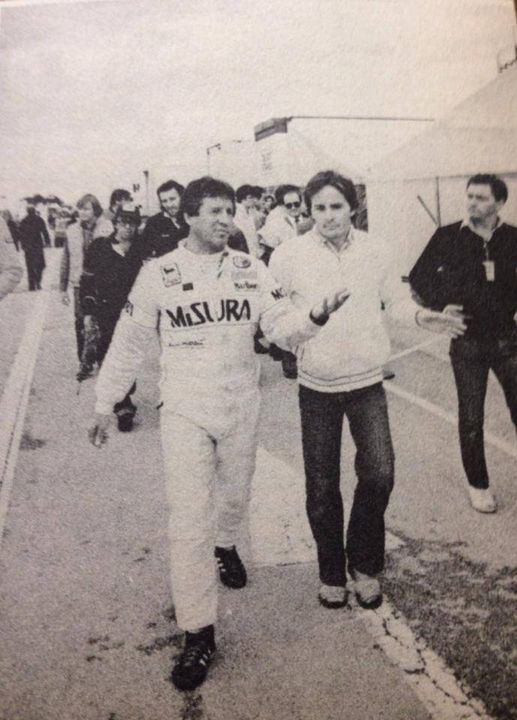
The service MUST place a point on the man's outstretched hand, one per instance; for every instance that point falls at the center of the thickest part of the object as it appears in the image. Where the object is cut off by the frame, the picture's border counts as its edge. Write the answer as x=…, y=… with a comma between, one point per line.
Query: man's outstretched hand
x=450, y=322
x=321, y=312
x=98, y=430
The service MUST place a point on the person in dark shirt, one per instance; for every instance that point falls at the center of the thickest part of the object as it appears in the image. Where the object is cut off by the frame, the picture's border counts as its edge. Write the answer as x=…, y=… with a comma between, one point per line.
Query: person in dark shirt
x=164, y=230
x=33, y=234
x=110, y=269
x=469, y=269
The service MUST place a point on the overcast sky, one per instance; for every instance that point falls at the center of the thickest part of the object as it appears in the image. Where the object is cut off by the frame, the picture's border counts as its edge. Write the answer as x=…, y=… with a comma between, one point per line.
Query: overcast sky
x=94, y=92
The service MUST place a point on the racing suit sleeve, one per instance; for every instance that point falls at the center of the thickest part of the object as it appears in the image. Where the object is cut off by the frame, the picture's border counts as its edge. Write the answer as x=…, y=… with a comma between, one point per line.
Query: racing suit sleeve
x=395, y=295
x=281, y=322
x=134, y=333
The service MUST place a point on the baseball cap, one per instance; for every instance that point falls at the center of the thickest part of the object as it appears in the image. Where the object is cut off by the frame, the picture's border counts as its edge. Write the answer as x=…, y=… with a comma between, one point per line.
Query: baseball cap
x=128, y=211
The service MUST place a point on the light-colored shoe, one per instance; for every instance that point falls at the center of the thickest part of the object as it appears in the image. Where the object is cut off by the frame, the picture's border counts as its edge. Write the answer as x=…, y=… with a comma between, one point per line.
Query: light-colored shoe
x=367, y=590
x=482, y=499
x=333, y=596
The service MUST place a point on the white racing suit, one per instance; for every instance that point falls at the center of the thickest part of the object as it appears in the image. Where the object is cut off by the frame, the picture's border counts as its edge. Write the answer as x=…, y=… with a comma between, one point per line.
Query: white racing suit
x=206, y=309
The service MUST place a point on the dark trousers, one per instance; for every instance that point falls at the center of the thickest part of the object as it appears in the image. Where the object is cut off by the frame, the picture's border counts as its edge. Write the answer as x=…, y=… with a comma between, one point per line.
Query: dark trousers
x=35, y=266
x=79, y=323
x=322, y=422
x=471, y=361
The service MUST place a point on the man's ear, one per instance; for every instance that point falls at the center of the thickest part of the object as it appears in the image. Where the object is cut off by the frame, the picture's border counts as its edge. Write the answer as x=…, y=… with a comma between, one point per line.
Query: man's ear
x=187, y=218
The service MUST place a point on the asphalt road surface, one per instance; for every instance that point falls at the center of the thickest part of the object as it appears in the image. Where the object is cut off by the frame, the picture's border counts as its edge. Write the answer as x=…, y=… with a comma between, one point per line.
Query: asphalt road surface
x=86, y=623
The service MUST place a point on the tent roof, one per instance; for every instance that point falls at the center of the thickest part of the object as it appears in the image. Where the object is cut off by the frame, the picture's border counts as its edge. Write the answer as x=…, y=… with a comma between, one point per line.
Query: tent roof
x=479, y=135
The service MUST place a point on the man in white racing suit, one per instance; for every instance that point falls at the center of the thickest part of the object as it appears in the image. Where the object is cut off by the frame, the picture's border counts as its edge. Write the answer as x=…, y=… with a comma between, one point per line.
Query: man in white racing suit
x=206, y=302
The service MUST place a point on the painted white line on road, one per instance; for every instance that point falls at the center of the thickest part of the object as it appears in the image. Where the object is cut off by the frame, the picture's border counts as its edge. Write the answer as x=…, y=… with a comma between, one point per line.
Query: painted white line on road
x=280, y=535
x=415, y=348
x=444, y=697
x=15, y=398
x=451, y=418
x=279, y=530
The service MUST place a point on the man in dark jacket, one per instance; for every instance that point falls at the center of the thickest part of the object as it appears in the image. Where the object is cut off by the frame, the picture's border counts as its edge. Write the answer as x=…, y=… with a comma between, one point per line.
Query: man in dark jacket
x=33, y=234
x=110, y=269
x=469, y=269
x=164, y=230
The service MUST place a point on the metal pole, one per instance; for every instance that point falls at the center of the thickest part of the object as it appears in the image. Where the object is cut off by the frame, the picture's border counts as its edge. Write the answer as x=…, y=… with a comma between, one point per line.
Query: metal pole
x=438, y=208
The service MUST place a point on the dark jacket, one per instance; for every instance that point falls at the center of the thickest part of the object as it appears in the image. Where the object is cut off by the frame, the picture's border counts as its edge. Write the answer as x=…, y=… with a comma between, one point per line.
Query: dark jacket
x=107, y=280
x=32, y=234
x=451, y=271
x=160, y=236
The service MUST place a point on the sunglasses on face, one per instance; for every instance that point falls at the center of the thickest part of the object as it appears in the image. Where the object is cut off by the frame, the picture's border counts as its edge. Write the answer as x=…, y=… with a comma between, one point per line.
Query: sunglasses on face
x=292, y=205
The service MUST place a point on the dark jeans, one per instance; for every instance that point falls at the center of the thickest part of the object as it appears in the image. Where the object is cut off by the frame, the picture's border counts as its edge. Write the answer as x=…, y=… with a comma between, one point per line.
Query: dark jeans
x=35, y=266
x=322, y=422
x=79, y=323
x=471, y=361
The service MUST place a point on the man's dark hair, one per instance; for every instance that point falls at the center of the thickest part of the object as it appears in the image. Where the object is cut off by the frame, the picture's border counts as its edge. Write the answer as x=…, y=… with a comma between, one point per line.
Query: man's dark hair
x=205, y=187
x=498, y=186
x=343, y=185
x=283, y=190
x=171, y=185
x=89, y=198
x=119, y=195
x=243, y=191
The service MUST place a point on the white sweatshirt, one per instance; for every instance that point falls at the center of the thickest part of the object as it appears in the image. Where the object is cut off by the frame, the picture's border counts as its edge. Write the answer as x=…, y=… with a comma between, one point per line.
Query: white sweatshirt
x=351, y=348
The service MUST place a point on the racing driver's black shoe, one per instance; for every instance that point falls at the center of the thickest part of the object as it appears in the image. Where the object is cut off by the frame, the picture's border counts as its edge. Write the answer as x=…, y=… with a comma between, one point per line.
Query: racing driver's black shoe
x=231, y=570
x=192, y=665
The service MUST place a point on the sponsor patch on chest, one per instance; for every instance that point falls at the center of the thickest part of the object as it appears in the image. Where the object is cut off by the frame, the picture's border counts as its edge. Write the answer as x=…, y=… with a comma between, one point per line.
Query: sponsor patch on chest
x=245, y=285
x=171, y=274
x=244, y=275
x=227, y=310
x=241, y=262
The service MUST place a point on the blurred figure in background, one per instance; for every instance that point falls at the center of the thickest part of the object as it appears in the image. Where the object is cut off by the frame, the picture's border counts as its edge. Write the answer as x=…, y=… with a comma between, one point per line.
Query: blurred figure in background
x=282, y=222
x=10, y=269
x=117, y=199
x=33, y=236
x=245, y=218
x=110, y=268
x=13, y=227
x=79, y=237
x=164, y=230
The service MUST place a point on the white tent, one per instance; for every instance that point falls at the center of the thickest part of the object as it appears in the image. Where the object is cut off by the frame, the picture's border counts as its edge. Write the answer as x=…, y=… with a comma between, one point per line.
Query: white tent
x=422, y=184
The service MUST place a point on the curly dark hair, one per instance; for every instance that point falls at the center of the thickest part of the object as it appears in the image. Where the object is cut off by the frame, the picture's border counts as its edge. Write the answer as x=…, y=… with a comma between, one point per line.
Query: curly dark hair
x=498, y=186
x=205, y=187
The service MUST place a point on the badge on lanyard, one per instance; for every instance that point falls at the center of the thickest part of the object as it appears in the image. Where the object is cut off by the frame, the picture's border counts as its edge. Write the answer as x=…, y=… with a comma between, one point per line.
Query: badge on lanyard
x=489, y=270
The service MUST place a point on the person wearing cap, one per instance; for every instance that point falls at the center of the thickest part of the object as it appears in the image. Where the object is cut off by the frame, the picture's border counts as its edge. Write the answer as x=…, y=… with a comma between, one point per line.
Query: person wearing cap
x=118, y=197
x=110, y=269
x=164, y=230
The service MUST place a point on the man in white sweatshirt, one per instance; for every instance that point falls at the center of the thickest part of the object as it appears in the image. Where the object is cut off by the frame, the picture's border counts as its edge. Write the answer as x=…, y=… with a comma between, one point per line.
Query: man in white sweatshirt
x=340, y=373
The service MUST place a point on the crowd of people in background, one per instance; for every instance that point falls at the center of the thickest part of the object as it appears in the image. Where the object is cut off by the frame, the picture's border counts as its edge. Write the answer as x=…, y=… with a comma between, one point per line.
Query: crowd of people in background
x=293, y=265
